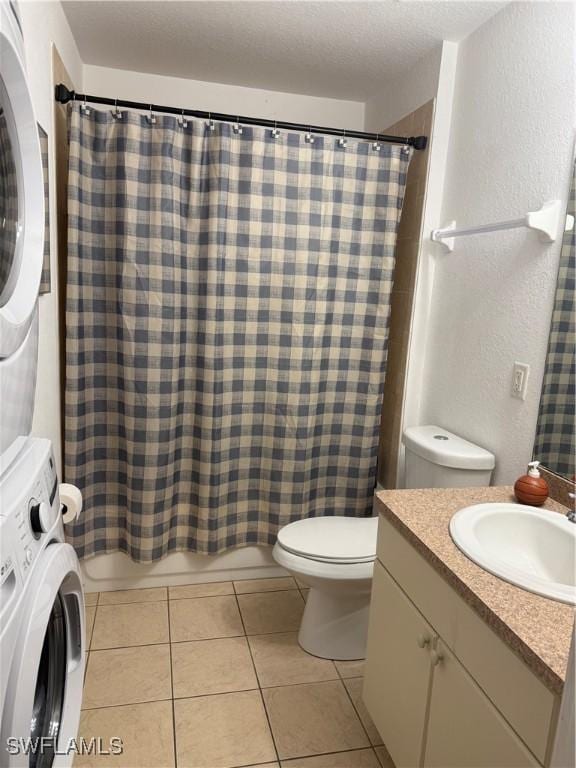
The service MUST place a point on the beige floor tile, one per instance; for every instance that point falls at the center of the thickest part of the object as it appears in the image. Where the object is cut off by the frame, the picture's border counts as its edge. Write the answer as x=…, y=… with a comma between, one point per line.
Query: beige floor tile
x=222, y=731
x=301, y=584
x=90, y=598
x=127, y=676
x=203, y=618
x=118, y=626
x=264, y=585
x=133, y=596
x=354, y=687
x=305, y=593
x=384, y=757
x=212, y=666
x=350, y=668
x=279, y=660
x=146, y=731
x=201, y=590
x=359, y=758
x=89, y=616
x=271, y=612
x=313, y=719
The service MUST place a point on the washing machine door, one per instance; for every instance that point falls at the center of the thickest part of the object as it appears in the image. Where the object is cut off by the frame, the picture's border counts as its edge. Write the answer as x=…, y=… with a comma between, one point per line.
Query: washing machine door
x=21, y=191
x=44, y=695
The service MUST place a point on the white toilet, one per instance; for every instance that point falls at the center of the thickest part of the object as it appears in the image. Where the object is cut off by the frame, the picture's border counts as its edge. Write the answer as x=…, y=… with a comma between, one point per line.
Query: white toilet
x=335, y=555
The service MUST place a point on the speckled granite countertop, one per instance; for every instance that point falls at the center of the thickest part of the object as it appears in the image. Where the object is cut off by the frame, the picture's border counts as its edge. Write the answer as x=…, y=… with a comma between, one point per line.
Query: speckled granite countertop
x=536, y=628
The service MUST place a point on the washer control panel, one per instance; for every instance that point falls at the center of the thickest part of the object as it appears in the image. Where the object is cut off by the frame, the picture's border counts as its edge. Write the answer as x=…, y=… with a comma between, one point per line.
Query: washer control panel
x=30, y=511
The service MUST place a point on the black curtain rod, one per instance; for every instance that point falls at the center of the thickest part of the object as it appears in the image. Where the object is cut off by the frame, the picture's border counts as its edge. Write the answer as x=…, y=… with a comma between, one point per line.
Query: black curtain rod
x=64, y=95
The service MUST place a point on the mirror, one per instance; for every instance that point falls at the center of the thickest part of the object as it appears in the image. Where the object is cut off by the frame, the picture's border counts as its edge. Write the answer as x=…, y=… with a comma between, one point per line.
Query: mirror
x=555, y=444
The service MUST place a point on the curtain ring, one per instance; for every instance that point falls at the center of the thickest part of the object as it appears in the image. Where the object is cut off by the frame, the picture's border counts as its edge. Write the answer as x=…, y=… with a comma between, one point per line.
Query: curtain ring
x=237, y=128
x=275, y=132
x=309, y=137
x=182, y=122
x=376, y=146
x=151, y=117
x=84, y=108
x=210, y=123
x=117, y=113
x=342, y=140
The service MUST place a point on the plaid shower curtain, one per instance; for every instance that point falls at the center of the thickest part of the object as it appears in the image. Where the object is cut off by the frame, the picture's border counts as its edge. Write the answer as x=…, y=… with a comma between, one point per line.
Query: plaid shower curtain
x=555, y=443
x=228, y=296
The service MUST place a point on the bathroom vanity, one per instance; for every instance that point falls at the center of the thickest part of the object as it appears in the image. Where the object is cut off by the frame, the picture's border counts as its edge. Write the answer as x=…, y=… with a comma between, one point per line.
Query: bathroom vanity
x=463, y=669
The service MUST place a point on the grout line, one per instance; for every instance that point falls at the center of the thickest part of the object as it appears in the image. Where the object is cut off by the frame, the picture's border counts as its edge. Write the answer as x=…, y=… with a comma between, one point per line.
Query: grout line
x=196, y=597
x=364, y=728
x=267, y=591
x=86, y=660
x=216, y=693
x=172, y=688
x=200, y=640
x=124, y=704
x=172, y=699
x=376, y=753
x=133, y=602
x=286, y=760
x=259, y=686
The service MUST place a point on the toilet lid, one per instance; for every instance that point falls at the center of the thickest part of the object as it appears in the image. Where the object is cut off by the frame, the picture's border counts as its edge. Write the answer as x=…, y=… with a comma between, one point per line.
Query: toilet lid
x=332, y=538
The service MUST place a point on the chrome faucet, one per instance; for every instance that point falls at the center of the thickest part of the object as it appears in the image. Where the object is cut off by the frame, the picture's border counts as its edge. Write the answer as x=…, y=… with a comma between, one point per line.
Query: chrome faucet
x=571, y=514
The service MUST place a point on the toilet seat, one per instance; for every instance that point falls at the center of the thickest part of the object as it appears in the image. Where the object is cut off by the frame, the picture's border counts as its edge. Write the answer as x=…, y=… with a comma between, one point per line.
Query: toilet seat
x=337, y=540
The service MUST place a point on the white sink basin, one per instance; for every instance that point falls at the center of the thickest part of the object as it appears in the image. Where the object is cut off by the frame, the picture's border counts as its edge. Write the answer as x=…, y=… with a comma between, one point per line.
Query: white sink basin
x=532, y=548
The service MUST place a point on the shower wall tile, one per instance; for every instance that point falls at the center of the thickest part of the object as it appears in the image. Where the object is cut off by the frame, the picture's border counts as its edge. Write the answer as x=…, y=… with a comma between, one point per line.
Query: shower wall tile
x=408, y=245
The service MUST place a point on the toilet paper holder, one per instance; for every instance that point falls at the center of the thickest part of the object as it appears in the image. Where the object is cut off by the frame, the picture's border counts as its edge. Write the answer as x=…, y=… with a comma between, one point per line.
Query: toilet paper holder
x=70, y=502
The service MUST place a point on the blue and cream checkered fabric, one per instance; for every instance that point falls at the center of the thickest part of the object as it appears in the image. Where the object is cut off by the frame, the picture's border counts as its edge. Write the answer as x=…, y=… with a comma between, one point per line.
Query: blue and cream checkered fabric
x=555, y=444
x=227, y=322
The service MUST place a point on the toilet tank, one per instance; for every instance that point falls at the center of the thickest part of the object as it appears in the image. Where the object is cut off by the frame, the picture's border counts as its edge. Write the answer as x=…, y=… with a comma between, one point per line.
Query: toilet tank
x=436, y=458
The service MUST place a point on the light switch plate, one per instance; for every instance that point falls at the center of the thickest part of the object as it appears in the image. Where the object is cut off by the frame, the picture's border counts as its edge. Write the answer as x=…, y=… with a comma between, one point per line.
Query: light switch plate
x=520, y=374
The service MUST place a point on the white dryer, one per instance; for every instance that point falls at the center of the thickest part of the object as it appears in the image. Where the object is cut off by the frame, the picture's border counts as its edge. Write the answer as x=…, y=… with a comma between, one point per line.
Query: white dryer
x=21, y=234
x=41, y=616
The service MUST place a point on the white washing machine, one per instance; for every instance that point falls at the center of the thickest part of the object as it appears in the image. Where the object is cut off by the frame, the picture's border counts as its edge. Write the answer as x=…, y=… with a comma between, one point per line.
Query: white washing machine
x=21, y=234
x=41, y=599
x=41, y=616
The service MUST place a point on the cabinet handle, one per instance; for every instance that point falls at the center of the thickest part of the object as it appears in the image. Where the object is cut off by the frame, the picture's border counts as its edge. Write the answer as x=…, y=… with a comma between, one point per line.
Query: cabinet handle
x=437, y=657
x=423, y=640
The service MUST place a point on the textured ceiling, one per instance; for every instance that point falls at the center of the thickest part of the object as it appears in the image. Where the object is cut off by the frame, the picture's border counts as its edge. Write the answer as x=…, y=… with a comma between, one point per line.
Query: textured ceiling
x=339, y=49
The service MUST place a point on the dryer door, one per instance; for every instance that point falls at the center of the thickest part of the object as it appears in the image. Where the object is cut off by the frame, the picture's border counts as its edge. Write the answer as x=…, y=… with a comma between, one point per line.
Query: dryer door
x=44, y=692
x=21, y=192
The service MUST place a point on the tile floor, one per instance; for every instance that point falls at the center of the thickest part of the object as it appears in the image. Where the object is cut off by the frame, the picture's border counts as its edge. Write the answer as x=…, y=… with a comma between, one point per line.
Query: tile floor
x=211, y=676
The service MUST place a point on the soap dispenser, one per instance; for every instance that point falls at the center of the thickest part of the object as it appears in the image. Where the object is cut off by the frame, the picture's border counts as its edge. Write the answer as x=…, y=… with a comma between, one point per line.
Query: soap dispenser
x=531, y=488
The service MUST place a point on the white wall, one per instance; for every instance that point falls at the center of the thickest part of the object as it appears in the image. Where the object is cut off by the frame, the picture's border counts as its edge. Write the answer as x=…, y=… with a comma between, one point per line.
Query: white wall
x=433, y=77
x=43, y=24
x=217, y=97
x=424, y=293
x=510, y=150
x=404, y=94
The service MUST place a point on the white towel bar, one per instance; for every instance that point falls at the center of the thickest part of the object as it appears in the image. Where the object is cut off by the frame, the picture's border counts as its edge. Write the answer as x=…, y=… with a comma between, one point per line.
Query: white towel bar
x=545, y=222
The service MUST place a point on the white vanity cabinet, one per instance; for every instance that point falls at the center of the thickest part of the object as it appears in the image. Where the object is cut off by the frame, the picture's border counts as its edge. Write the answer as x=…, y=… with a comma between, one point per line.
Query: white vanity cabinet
x=464, y=727
x=397, y=679
x=442, y=688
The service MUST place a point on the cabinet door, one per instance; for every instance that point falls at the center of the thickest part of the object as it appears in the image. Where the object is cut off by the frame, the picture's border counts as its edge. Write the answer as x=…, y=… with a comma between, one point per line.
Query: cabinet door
x=465, y=730
x=397, y=677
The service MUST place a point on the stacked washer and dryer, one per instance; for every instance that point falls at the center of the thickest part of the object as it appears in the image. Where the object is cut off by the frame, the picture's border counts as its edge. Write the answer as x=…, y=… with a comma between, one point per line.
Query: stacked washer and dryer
x=41, y=598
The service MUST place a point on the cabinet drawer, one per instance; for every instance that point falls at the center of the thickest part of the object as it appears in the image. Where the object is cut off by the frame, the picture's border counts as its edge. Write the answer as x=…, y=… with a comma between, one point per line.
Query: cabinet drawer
x=516, y=692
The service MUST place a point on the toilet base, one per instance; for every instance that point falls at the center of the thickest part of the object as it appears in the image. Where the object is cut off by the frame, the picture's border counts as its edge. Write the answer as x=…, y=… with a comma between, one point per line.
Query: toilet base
x=335, y=626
